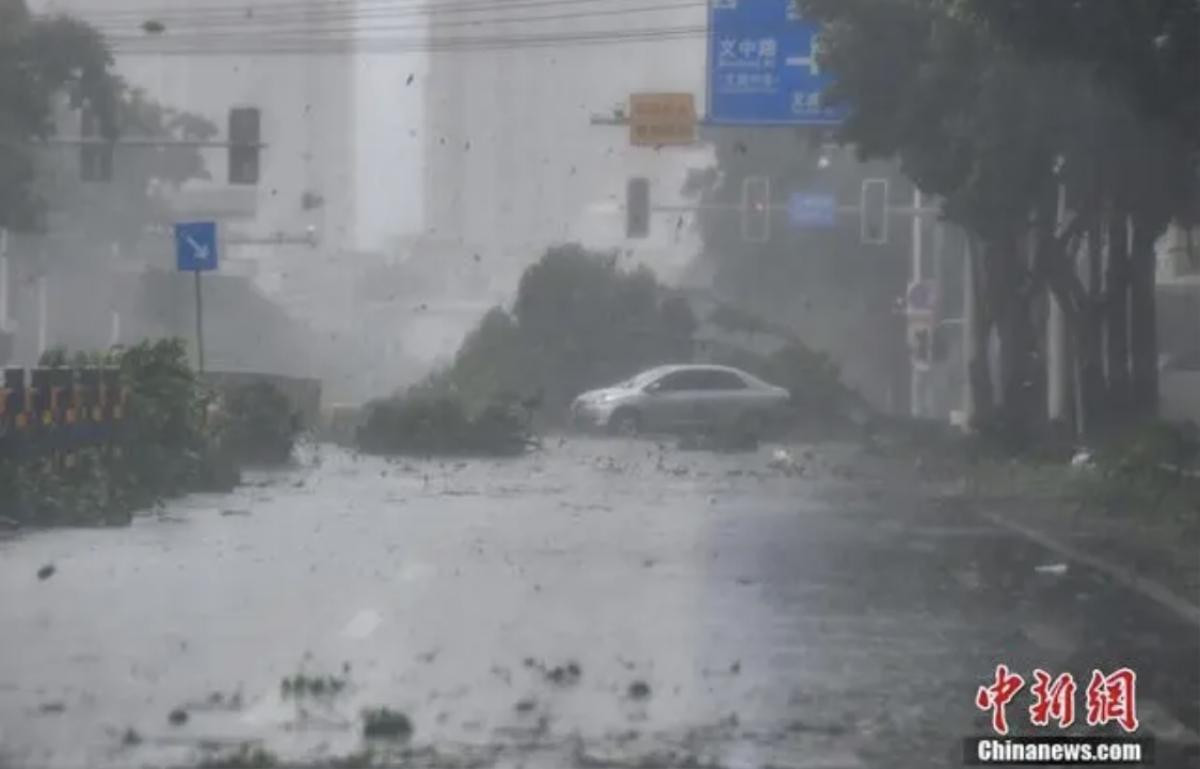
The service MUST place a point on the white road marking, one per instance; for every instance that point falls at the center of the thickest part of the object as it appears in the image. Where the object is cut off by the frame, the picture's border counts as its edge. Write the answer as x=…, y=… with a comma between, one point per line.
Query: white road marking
x=1152, y=590
x=362, y=625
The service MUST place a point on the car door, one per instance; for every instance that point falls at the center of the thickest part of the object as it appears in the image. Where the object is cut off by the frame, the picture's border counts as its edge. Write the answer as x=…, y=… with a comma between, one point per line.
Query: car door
x=673, y=401
x=727, y=397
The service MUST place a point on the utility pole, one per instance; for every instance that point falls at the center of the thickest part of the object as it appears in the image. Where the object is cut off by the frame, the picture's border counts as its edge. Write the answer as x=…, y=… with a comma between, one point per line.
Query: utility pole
x=42, y=335
x=3, y=280
x=1058, y=391
x=918, y=378
x=199, y=325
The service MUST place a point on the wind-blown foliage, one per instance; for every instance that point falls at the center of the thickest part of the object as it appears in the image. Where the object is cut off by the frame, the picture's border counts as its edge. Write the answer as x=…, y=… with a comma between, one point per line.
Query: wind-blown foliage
x=42, y=59
x=995, y=107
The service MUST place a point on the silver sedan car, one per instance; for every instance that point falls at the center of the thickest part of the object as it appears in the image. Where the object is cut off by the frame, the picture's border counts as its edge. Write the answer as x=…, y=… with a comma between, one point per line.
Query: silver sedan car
x=682, y=397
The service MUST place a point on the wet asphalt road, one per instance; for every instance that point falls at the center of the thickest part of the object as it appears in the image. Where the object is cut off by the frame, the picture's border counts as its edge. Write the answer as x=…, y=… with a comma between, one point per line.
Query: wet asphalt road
x=825, y=620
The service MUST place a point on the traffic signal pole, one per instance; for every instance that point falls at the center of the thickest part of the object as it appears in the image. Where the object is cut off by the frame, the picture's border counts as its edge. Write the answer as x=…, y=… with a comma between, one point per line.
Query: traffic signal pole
x=199, y=324
x=3, y=280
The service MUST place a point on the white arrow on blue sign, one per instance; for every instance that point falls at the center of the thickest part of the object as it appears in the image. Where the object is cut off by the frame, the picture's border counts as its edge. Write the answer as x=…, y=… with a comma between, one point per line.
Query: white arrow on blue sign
x=196, y=246
x=812, y=210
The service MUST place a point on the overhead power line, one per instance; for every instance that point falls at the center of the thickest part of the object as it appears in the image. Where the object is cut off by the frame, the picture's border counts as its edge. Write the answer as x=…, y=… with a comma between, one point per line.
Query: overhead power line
x=270, y=31
x=409, y=44
x=312, y=10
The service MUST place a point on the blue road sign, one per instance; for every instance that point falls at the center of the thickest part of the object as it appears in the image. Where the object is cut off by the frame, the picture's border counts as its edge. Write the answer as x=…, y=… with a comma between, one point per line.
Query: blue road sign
x=196, y=246
x=812, y=210
x=762, y=66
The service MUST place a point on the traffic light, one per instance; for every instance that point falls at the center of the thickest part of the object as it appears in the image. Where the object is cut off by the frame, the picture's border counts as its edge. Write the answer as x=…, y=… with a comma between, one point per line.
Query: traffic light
x=244, y=140
x=756, y=209
x=874, y=206
x=637, y=208
x=95, y=154
x=921, y=343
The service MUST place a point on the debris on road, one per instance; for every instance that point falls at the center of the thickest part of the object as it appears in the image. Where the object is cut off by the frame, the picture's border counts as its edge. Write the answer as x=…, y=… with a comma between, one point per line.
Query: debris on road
x=52, y=707
x=783, y=461
x=235, y=512
x=245, y=757
x=725, y=441
x=525, y=706
x=1083, y=460
x=639, y=690
x=131, y=737
x=177, y=717
x=385, y=723
x=560, y=675
x=301, y=685
x=565, y=675
x=46, y=572
x=1052, y=569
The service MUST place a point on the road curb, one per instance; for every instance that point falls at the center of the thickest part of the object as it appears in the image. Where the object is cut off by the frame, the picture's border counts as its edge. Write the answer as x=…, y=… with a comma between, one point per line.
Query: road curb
x=1181, y=607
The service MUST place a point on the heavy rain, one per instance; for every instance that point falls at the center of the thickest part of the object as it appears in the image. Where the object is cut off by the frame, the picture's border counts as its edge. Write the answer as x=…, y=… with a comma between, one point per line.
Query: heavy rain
x=722, y=384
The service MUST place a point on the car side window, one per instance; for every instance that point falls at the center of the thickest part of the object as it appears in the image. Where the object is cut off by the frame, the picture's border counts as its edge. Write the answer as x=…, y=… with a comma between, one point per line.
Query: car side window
x=684, y=381
x=724, y=380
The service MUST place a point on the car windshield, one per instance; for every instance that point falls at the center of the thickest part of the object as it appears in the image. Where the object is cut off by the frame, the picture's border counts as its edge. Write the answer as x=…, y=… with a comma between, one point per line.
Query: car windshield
x=309, y=451
x=642, y=379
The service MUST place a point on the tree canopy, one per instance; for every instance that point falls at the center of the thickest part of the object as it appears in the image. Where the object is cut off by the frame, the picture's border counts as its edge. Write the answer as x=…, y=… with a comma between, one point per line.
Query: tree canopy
x=52, y=64
x=996, y=107
x=43, y=60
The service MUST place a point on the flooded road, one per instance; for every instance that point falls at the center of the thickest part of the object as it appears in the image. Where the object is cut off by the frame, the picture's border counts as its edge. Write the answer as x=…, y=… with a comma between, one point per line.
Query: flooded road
x=598, y=603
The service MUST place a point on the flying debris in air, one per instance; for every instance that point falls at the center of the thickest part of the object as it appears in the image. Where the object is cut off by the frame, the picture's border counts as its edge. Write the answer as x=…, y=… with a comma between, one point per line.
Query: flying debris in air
x=410, y=79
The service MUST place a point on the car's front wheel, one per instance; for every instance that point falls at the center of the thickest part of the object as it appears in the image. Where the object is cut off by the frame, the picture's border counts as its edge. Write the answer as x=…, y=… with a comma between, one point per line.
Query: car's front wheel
x=625, y=422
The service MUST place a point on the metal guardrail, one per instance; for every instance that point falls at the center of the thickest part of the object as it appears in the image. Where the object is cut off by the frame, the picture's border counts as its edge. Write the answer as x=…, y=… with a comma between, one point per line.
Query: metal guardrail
x=49, y=412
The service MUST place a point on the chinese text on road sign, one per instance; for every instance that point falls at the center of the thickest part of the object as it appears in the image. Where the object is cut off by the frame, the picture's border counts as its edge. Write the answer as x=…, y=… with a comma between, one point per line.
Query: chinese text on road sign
x=196, y=246
x=763, y=65
x=662, y=118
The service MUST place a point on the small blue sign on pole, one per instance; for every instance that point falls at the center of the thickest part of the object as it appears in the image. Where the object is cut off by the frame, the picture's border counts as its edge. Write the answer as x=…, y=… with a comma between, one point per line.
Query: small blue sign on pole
x=812, y=210
x=196, y=246
x=762, y=66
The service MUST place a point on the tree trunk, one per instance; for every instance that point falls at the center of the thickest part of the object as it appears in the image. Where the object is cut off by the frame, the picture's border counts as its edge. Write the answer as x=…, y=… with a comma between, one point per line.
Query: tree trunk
x=1021, y=380
x=1089, y=342
x=979, y=375
x=1143, y=322
x=1116, y=321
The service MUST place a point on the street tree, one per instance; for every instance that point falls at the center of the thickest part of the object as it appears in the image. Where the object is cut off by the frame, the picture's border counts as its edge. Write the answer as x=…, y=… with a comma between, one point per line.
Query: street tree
x=41, y=61
x=991, y=108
